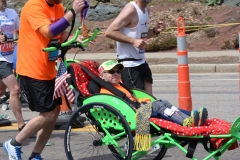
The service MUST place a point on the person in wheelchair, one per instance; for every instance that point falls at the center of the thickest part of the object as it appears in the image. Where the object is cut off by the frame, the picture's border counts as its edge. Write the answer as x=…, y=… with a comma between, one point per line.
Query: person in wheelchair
x=110, y=72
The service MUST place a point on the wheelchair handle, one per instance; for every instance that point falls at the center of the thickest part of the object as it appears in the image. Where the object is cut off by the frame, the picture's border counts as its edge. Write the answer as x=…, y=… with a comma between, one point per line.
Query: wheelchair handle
x=72, y=43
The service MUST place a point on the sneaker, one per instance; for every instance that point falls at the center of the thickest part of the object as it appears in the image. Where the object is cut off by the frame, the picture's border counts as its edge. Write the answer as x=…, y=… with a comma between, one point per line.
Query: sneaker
x=203, y=115
x=14, y=152
x=38, y=157
x=193, y=120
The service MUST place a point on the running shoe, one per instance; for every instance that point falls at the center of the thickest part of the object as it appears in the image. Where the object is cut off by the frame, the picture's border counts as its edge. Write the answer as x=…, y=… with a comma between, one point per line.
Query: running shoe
x=203, y=115
x=14, y=152
x=193, y=120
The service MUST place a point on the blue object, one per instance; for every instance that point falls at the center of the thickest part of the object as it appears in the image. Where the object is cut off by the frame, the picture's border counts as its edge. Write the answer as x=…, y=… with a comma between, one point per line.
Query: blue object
x=15, y=56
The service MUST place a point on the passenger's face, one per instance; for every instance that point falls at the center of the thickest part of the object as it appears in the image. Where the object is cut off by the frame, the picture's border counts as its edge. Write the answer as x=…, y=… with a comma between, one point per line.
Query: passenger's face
x=3, y=5
x=113, y=78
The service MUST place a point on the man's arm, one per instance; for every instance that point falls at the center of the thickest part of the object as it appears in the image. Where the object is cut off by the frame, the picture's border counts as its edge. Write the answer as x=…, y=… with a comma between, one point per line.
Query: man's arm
x=63, y=37
x=124, y=19
x=160, y=26
x=17, y=24
x=51, y=31
x=127, y=18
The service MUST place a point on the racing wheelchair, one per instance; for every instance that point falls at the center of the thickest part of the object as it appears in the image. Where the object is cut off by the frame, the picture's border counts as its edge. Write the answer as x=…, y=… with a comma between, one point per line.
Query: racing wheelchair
x=109, y=128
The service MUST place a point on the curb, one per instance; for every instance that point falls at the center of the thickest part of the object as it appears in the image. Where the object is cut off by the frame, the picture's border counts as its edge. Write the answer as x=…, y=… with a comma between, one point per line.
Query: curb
x=196, y=68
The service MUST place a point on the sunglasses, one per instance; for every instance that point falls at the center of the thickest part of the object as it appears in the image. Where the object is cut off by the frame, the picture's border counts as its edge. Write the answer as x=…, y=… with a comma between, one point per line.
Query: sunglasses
x=113, y=71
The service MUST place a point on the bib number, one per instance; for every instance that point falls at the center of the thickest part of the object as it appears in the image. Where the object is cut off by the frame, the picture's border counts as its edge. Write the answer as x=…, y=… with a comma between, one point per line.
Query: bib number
x=7, y=48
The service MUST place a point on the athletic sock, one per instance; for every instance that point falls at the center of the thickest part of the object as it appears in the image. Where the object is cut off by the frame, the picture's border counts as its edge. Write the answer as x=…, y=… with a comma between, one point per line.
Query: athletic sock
x=33, y=155
x=14, y=142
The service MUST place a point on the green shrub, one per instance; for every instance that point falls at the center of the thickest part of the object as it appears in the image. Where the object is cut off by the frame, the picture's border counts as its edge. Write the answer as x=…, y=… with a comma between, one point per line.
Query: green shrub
x=208, y=18
x=231, y=44
x=212, y=32
x=166, y=43
x=112, y=45
x=236, y=42
x=213, y=2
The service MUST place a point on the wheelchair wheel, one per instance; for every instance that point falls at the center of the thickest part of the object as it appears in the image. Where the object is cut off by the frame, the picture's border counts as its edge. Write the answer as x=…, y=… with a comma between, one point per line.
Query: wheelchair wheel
x=104, y=136
x=160, y=153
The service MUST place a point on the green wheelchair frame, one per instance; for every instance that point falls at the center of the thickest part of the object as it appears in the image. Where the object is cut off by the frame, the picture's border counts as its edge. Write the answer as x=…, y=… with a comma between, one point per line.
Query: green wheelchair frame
x=114, y=130
x=109, y=127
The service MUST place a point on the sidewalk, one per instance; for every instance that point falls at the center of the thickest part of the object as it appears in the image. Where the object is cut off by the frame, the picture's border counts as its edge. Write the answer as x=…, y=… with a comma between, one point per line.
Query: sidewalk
x=172, y=68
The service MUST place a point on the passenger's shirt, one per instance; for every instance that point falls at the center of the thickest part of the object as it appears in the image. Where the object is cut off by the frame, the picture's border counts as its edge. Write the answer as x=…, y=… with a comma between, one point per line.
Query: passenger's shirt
x=129, y=95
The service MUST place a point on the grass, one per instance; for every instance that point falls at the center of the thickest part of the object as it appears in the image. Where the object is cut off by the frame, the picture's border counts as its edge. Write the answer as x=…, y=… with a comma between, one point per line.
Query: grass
x=208, y=18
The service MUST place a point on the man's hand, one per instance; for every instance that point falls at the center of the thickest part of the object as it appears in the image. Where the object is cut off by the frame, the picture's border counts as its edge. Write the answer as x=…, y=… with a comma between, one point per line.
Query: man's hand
x=81, y=38
x=78, y=5
x=2, y=37
x=140, y=43
x=160, y=27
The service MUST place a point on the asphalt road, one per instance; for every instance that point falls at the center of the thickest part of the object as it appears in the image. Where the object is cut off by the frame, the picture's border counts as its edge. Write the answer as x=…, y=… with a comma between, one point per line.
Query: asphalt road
x=218, y=92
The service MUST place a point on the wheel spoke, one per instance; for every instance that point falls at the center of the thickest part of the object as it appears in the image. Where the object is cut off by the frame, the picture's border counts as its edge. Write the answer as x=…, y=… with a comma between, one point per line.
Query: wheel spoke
x=87, y=144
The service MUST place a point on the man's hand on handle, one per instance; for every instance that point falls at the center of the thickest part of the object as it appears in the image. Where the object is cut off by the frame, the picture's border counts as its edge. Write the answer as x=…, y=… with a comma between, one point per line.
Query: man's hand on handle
x=78, y=6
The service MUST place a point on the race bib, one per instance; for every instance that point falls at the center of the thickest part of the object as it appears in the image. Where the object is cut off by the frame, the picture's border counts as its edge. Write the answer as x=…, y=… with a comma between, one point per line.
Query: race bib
x=53, y=56
x=7, y=48
x=143, y=36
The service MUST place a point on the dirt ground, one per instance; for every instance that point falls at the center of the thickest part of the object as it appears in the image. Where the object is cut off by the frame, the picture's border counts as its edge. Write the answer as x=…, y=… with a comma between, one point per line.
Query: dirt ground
x=207, y=29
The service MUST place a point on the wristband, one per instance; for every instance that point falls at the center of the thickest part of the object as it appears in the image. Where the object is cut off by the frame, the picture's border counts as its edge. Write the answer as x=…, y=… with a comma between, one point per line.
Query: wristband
x=154, y=31
x=59, y=26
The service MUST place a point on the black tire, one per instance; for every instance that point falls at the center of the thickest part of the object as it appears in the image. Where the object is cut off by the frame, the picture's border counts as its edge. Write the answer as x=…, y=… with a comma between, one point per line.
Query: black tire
x=88, y=144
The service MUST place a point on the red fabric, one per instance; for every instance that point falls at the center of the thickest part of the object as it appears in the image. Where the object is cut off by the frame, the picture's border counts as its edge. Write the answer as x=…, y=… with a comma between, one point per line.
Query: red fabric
x=82, y=78
x=212, y=126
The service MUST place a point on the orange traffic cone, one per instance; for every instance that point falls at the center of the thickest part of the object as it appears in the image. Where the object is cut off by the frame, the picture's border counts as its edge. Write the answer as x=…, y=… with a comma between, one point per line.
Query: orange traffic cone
x=65, y=110
x=184, y=90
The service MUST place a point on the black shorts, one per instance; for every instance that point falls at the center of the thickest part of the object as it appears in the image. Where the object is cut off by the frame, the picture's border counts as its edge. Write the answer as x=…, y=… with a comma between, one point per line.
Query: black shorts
x=6, y=69
x=133, y=77
x=39, y=94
